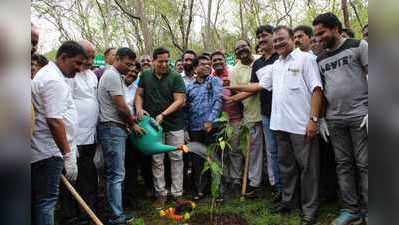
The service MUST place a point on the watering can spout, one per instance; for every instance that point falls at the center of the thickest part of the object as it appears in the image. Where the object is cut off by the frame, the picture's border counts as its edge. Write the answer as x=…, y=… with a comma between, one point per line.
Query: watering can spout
x=151, y=142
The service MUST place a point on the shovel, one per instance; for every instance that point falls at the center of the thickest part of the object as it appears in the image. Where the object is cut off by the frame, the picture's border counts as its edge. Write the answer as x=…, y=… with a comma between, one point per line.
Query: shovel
x=81, y=202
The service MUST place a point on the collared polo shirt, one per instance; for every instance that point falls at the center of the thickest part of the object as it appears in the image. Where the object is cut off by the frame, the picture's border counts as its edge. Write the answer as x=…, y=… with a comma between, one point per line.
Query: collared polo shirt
x=293, y=80
x=158, y=96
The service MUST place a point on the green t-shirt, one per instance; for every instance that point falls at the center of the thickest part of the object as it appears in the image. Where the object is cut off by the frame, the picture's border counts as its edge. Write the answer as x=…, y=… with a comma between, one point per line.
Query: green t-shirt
x=158, y=96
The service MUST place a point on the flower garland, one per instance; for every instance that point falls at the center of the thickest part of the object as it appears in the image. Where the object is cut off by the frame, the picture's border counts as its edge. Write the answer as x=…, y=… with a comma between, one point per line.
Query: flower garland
x=182, y=212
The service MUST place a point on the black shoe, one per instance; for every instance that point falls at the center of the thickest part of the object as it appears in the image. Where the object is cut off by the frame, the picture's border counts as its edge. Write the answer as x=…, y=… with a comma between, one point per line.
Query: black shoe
x=308, y=221
x=252, y=192
x=281, y=209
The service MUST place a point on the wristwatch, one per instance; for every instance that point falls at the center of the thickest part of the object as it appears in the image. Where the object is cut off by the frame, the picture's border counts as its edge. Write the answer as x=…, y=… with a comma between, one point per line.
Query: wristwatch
x=314, y=119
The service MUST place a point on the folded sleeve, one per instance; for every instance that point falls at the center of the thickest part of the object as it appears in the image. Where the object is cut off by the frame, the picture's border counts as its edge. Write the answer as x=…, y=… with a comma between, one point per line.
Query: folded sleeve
x=311, y=74
x=266, y=74
x=113, y=84
x=54, y=93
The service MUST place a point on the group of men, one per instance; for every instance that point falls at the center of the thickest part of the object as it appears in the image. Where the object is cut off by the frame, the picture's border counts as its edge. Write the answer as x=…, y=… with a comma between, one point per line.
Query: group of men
x=305, y=82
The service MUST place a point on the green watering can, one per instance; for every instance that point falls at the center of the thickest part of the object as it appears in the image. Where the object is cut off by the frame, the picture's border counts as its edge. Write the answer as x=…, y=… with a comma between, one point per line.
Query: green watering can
x=152, y=142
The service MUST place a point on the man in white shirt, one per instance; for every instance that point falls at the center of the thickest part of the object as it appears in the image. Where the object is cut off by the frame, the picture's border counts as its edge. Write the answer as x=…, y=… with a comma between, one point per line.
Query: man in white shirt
x=295, y=81
x=53, y=142
x=84, y=94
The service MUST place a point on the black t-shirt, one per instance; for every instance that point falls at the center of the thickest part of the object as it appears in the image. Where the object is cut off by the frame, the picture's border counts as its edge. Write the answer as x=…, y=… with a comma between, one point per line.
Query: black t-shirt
x=265, y=95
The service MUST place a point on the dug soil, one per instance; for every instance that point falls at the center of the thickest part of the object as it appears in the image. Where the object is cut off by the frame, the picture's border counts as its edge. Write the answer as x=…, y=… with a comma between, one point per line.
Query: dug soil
x=218, y=219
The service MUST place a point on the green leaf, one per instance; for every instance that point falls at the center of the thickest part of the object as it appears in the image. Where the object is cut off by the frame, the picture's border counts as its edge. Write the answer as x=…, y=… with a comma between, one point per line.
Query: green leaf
x=207, y=166
x=229, y=131
x=224, y=117
x=222, y=144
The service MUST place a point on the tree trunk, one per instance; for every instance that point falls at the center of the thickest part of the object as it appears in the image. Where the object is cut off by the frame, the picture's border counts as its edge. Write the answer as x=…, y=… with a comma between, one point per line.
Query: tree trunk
x=345, y=13
x=208, y=35
x=148, y=40
x=243, y=33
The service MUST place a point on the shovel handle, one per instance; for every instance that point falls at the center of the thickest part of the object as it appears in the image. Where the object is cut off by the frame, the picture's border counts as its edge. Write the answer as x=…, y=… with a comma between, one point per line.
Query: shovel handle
x=81, y=202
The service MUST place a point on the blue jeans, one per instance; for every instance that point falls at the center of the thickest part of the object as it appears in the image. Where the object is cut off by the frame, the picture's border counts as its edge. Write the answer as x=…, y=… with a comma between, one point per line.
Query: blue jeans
x=272, y=166
x=113, y=139
x=45, y=179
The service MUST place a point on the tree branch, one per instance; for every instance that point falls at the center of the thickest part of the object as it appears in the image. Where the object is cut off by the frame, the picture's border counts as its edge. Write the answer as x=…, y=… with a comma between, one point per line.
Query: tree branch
x=125, y=11
x=171, y=33
x=356, y=13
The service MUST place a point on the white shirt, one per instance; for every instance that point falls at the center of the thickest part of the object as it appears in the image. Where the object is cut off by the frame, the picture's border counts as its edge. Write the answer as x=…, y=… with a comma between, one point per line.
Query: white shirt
x=51, y=98
x=129, y=97
x=84, y=93
x=293, y=81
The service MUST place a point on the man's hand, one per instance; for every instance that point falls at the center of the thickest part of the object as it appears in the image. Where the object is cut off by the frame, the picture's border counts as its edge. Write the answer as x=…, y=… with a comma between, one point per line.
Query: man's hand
x=323, y=129
x=311, y=130
x=70, y=165
x=186, y=136
x=141, y=113
x=208, y=126
x=365, y=122
x=137, y=129
x=159, y=119
x=228, y=99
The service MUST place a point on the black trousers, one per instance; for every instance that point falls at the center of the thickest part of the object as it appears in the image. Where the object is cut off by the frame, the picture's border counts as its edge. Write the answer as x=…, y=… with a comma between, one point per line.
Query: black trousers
x=200, y=181
x=135, y=161
x=86, y=185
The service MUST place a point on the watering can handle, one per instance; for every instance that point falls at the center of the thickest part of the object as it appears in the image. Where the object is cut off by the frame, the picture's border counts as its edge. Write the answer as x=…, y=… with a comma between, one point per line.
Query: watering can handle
x=155, y=125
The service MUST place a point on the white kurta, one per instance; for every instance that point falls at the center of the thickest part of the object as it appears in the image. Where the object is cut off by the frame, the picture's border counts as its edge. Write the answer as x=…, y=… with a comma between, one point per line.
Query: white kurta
x=84, y=92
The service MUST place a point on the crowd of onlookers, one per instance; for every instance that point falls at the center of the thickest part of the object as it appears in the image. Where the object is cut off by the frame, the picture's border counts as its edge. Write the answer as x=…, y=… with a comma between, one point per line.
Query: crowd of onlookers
x=303, y=94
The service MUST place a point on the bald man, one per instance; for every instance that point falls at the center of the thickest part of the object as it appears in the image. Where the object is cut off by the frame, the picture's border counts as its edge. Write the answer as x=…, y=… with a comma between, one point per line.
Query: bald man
x=34, y=39
x=84, y=94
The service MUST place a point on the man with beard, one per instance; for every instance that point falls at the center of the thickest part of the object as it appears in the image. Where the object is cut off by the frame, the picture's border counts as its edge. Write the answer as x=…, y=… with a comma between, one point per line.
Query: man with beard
x=264, y=34
x=241, y=75
x=188, y=72
x=344, y=66
x=218, y=61
x=297, y=95
x=303, y=38
x=146, y=62
x=53, y=143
